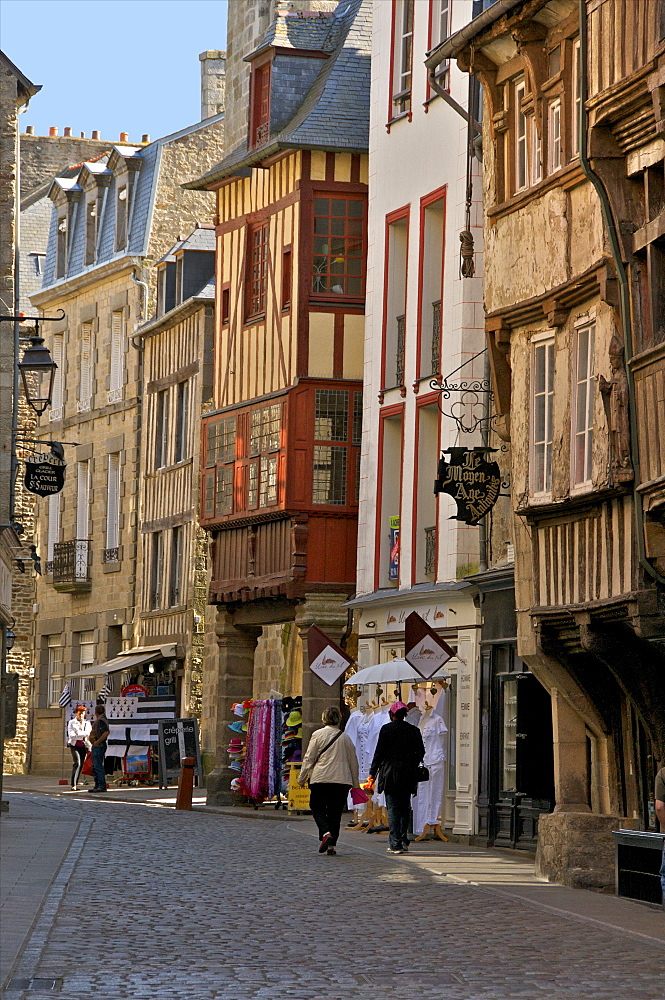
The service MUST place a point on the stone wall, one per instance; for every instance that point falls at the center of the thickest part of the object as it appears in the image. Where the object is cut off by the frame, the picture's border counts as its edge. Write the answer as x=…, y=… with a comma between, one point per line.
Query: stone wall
x=8, y=211
x=577, y=849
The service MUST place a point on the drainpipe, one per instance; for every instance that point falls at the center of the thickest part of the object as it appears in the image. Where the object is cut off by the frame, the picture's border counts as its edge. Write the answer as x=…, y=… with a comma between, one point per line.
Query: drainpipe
x=624, y=294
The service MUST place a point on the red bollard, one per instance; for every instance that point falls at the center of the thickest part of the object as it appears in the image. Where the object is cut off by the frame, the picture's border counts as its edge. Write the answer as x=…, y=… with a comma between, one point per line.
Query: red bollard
x=185, y=783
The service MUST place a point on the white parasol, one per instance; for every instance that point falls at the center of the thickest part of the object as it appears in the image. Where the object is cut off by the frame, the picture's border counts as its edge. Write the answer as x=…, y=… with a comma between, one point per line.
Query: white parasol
x=391, y=672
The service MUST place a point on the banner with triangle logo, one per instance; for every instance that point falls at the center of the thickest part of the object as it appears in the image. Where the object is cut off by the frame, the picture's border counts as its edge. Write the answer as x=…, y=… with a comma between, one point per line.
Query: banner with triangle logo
x=426, y=651
x=326, y=659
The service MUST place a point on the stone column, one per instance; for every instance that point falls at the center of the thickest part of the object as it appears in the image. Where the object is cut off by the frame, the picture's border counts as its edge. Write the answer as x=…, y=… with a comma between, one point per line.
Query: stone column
x=575, y=846
x=328, y=612
x=228, y=681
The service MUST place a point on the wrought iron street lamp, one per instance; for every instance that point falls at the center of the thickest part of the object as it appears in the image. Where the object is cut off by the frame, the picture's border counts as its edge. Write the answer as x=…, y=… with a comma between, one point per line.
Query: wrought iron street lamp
x=37, y=369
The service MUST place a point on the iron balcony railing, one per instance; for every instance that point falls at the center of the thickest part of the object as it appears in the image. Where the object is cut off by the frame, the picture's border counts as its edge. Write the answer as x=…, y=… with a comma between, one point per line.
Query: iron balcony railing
x=71, y=564
x=400, y=320
x=436, y=337
x=430, y=551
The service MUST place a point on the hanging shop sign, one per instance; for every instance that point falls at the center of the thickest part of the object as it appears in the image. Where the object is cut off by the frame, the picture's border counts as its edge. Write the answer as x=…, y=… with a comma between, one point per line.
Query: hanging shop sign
x=44, y=477
x=326, y=659
x=393, y=565
x=472, y=482
x=178, y=738
x=134, y=691
x=426, y=651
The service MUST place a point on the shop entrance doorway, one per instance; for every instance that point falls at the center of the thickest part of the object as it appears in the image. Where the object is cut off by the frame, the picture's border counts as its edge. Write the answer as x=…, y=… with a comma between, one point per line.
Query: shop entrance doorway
x=525, y=762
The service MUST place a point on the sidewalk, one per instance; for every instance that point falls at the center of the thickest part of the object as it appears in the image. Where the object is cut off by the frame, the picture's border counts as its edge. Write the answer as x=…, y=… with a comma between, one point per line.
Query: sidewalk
x=35, y=840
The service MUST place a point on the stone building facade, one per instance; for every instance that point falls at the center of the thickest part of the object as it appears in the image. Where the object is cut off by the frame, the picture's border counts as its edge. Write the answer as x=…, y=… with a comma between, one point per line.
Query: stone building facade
x=573, y=157
x=112, y=219
x=15, y=93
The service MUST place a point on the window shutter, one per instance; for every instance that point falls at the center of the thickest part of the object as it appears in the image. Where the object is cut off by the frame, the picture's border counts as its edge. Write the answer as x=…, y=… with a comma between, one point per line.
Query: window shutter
x=82, y=500
x=53, y=524
x=117, y=350
x=85, y=377
x=58, y=355
x=113, y=503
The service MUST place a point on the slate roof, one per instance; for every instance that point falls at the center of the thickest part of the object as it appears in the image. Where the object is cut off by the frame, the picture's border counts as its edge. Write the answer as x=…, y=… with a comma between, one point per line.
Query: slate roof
x=334, y=114
x=140, y=221
x=313, y=31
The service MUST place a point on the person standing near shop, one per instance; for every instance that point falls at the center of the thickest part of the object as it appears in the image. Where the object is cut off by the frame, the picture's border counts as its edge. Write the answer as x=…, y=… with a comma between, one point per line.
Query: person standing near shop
x=78, y=732
x=399, y=752
x=331, y=766
x=98, y=737
x=660, y=815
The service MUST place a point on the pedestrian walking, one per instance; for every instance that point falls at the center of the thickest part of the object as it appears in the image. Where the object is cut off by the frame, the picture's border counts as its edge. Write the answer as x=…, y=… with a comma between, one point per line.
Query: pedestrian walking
x=659, y=796
x=331, y=766
x=78, y=733
x=98, y=737
x=398, y=755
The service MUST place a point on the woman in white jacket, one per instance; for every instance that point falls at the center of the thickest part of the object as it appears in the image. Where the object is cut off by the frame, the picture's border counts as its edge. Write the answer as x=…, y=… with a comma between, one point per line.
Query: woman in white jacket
x=332, y=768
x=78, y=733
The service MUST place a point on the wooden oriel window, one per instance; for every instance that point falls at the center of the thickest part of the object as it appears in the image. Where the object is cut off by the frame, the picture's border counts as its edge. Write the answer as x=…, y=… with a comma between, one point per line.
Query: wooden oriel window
x=260, y=123
x=337, y=425
x=242, y=460
x=257, y=270
x=338, y=265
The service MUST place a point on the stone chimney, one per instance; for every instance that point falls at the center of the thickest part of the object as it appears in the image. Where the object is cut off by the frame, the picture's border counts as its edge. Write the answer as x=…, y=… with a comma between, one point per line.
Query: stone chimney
x=213, y=82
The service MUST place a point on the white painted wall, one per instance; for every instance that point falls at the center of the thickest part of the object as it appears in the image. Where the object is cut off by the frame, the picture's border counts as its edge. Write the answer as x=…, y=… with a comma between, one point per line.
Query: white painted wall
x=413, y=159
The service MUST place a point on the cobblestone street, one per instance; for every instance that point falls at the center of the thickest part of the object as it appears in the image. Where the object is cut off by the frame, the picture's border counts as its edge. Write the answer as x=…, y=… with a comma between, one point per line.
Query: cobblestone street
x=149, y=903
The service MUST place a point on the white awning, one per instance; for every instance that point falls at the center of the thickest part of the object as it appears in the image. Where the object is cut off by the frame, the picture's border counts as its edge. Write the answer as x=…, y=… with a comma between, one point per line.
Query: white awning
x=127, y=660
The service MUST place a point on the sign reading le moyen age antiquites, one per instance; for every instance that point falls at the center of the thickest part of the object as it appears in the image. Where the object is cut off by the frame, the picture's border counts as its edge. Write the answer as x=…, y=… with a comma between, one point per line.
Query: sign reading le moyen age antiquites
x=472, y=482
x=45, y=477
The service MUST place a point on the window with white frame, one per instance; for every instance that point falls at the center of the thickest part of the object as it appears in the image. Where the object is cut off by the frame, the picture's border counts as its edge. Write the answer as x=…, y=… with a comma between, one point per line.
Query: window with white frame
x=161, y=428
x=583, y=404
x=402, y=56
x=58, y=395
x=53, y=536
x=82, y=500
x=521, y=151
x=536, y=151
x=112, y=509
x=554, y=136
x=175, y=568
x=155, y=579
x=542, y=399
x=116, y=379
x=55, y=668
x=85, y=370
x=440, y=30
x=575, y=124
x=182, y=422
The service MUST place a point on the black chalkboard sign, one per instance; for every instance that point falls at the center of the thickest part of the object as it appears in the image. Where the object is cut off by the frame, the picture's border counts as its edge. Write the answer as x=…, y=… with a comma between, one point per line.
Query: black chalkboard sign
x=178, y=738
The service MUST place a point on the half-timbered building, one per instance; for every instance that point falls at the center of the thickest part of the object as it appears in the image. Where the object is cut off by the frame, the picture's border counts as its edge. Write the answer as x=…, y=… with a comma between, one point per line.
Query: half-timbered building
x=573, y=152
x=279, y=475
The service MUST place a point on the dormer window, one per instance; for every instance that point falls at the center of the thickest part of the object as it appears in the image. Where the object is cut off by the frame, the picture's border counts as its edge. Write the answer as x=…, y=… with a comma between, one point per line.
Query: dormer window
x=121, y=218
x=61, y=252
x=260, y=117
x=91, y=213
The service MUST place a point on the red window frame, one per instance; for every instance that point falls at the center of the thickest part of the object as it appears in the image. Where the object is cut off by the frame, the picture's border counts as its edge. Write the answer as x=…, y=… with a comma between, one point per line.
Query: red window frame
x=443, y=69
x=259, y=129
x=256, y=277
x=287, y=276
x=438, y=195
x=406, y=103
x=333, y=264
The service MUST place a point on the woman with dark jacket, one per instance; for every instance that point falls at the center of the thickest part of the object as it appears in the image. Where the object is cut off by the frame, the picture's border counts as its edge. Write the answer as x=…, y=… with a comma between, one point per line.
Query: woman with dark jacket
x=399, y=752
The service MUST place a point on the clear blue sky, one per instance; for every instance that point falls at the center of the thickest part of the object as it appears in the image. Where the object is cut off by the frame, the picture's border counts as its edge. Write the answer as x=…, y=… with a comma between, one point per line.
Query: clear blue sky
x=112, y=65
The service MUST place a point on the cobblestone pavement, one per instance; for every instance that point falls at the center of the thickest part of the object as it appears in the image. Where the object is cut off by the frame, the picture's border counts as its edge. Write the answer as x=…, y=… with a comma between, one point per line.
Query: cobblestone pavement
x=150, y=903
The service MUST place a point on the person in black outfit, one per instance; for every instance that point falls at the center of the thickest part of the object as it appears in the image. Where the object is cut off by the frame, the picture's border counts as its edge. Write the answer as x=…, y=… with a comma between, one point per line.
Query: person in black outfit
x=399, y=752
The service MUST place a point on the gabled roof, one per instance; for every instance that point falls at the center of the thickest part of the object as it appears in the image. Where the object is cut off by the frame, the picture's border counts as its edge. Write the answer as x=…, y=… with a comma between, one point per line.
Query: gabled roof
x=26, y=88
x=334, y=114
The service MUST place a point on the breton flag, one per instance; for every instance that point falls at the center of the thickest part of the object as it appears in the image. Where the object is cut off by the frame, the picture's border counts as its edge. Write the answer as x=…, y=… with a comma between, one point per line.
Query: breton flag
x=66, y=697
x=106, y=689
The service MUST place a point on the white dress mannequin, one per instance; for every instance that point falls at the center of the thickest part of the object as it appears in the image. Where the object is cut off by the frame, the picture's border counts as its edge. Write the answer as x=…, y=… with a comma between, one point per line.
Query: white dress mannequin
x=427, y=804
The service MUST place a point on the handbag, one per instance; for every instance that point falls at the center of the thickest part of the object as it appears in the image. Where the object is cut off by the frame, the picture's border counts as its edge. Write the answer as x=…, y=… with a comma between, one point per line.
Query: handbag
x=87, y=764
x=358, y=796
x=422, y=774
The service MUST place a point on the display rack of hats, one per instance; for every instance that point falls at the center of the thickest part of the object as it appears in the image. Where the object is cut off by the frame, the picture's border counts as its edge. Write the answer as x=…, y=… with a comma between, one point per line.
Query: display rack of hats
x=291, y=737
x=236, y=747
